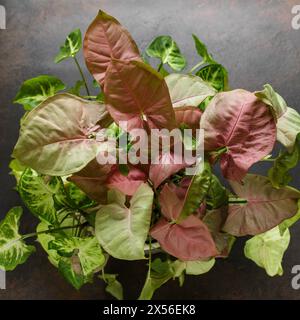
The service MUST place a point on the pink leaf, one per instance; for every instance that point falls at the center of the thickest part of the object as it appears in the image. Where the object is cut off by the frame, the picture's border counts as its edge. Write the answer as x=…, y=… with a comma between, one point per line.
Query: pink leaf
x=127, y=184
x=134, y=93
x=106, y=39
x=242, y=123
x=189, y=240
x=265, y=206
x=189, y=116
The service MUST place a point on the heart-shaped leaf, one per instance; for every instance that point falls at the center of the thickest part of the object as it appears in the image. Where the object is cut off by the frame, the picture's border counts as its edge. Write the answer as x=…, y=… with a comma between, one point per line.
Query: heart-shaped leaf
x=249, y=134
x=13, y=250
x=41, y=194
x=92, y=180
x=71, y=46
x=216, y=75
x=265, y=206
x=166, y=49
x=122, y=231
x=188, y=239
x=106, y=39
x=87, y=250
x=188, y=90
x=126, y=184
x=59, y=136
x=36, y=90
x=267, y=250
x=195, y=267
x=134, y=93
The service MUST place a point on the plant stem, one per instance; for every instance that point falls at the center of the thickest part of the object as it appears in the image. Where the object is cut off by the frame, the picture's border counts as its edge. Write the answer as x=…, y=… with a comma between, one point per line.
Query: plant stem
x=196, y=66
x=160, y=66
x=82, y=76
x=237, y=200
x=29, y=235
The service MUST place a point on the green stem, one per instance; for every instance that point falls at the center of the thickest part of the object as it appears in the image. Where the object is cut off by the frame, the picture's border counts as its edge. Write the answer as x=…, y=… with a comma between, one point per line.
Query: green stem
x=30, y=235
x=197, y=66
x=160, y=66
x=82, y=76
x=237, y=200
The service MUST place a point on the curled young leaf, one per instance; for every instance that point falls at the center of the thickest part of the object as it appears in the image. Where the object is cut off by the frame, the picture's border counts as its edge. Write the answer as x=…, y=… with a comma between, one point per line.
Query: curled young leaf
x=265, y=206
x=279, y=173
x=36, y=90
x=166, y=49
x=249, y=134
x=121, y=230
x=134, y=93
x=59, y=136
x=106, y=39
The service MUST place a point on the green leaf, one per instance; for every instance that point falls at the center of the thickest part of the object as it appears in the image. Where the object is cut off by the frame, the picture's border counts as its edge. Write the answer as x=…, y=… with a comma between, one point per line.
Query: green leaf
x=41, y=194
x=288, y=127
x=17, y=169
x=279, y=174
x=114, y=287
x=71, y=47
x=71, y=124
x=71, y=270
x=77, y=87
x=160, y=273
x=188, y=90
x=44, y=239
x=88, y=251
x=202, y=50
x=197, y=190
x=192, y=267
x=166, y=49
x=78, y=197
x=36, y=90
x=216, y=75
x=13, y=250
x=267, y=250
x=121, y=230
x=273, y=99
x=217, y=195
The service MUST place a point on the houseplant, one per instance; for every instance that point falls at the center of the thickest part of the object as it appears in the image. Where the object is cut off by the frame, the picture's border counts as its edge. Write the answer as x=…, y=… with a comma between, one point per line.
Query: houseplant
x=90, y=211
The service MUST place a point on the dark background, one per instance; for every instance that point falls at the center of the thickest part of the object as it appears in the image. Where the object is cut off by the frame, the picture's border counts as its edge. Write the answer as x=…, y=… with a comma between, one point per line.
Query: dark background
x=253, y=39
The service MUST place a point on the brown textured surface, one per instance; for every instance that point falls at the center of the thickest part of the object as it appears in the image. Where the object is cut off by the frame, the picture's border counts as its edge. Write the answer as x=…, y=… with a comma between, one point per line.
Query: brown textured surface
x=253, y=39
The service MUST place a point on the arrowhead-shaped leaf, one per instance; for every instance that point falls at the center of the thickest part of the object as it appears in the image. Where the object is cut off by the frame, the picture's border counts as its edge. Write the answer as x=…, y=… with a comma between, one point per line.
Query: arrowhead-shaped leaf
x=41, y=194
x=216, y=75
x=87, y=250
x=135, y=92
x=122, y=231
x=267, y=250
x=13, y=250
x=58, y=137
x=166, y=49
x=127, y=184
x=188, y=90
x=71, y=46
x=106, y=39
x=265, y=206
x=36, y=90
x=188, y=239
x=249, y=134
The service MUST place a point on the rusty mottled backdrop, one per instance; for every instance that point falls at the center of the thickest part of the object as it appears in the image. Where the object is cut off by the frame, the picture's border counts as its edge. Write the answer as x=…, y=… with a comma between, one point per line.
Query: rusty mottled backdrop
x=253, y=39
